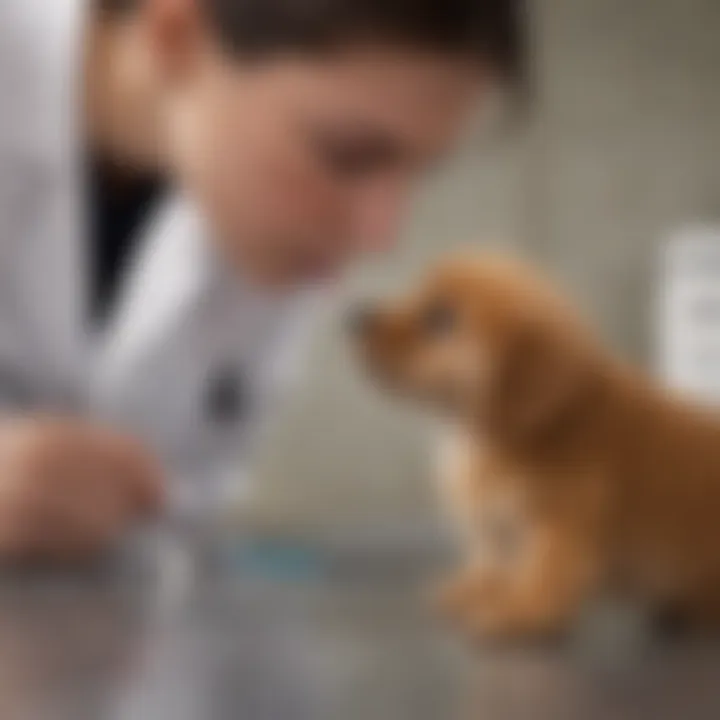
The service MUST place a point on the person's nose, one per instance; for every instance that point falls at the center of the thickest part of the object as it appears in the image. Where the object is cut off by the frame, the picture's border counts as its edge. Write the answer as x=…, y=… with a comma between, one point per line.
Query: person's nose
x=378, y=220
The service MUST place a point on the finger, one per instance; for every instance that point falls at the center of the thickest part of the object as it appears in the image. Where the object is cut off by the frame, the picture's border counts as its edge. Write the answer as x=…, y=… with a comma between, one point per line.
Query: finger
x=124, y=462
x=20, y=539
x=141, y=475
x=23, y=523
x=77, y=525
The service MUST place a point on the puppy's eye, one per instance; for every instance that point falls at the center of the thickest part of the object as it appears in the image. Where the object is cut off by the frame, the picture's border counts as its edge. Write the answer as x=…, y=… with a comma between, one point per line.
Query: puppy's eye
x=438, y=319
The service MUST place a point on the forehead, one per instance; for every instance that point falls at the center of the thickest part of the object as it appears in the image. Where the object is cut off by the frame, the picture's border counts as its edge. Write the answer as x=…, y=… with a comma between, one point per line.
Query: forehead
x=485, y=272
x=457, y=278
x=405, y=90
x=490, y=290
x=499, y=293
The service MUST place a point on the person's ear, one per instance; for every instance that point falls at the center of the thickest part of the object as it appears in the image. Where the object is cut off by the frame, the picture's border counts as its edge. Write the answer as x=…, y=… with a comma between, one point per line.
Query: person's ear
x=174, y=27
x=541, y=377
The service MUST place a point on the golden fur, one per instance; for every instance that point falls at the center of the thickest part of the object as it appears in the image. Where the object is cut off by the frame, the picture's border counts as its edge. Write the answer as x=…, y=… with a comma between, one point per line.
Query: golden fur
x=571, y=472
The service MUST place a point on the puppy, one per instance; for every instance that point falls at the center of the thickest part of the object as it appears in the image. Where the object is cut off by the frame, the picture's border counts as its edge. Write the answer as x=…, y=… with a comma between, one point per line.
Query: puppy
x=569, y=473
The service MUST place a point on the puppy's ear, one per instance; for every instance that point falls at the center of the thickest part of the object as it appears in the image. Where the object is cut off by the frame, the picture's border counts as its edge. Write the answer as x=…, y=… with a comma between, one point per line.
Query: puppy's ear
x=541, y=378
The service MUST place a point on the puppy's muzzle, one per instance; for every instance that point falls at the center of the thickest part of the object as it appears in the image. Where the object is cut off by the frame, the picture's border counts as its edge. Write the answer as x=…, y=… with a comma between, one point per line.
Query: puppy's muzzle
x=362, y=319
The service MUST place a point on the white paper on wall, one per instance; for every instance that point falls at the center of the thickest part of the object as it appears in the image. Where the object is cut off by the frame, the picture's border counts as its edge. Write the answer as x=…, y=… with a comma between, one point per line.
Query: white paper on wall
x=690, y=312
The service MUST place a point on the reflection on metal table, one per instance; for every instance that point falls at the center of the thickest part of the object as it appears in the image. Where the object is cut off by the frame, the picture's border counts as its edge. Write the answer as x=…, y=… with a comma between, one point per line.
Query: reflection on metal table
x=273, y=636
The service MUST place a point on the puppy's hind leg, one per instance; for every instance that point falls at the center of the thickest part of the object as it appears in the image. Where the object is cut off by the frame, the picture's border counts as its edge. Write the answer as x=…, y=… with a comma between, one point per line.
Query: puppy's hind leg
x=701, y=611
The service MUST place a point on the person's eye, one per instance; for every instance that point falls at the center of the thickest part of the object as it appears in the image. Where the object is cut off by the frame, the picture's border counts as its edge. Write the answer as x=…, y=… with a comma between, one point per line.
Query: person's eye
x=352, y=161
x=356, y=158
x=438, y=319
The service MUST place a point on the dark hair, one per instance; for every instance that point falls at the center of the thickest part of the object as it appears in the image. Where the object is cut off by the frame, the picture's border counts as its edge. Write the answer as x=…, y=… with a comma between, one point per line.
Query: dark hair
x=491, y=31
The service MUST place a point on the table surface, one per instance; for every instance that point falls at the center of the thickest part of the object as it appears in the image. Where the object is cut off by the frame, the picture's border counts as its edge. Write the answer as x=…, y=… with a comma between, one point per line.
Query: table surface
x=236, y=643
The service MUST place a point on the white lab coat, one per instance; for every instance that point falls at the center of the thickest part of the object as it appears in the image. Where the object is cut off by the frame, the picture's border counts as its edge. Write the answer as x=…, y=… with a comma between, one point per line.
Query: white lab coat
x=182, y=320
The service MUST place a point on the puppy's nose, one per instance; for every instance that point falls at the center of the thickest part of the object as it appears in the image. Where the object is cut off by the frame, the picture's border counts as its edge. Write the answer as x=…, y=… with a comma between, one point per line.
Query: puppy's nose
x=361, y=319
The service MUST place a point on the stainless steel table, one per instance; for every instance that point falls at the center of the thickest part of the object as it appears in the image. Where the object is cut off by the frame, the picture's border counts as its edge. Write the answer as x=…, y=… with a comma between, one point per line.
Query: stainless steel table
x=239, y=642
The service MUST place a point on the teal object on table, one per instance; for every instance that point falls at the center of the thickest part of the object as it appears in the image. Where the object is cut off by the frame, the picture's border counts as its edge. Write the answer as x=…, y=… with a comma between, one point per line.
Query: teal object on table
x=278, y=561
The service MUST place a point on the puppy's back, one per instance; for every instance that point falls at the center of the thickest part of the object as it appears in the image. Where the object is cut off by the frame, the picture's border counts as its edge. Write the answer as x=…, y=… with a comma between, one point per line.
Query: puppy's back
x=666, y=461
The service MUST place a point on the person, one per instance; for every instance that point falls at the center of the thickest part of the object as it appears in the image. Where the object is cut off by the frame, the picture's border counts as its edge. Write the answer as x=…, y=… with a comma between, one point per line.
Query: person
x=181, y=181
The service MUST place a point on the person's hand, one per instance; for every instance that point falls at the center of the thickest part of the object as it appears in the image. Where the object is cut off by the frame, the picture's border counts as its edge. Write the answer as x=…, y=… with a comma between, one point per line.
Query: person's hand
x=68, y=489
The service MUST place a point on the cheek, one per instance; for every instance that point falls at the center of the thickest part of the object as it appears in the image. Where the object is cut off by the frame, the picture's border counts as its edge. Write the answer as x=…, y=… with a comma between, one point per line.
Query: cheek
x=253, y=176
x=267, y=181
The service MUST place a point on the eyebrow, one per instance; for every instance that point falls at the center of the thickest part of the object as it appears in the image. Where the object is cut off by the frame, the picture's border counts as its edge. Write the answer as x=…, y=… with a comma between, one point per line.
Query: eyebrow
x=369, y=140
x=383, y=150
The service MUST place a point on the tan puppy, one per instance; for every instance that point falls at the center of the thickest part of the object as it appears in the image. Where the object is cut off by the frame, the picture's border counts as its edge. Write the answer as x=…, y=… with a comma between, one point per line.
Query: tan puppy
x=570, y=472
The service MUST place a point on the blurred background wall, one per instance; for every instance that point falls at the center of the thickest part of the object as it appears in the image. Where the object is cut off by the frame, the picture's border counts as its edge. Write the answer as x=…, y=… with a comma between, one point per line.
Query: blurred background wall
x=622, y=147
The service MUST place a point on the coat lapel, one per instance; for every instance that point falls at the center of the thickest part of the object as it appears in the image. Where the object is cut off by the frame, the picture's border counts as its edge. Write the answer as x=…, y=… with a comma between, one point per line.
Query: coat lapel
x=171, y=273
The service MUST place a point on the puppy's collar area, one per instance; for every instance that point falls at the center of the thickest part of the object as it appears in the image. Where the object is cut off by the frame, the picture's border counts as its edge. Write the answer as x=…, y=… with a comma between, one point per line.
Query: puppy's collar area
x=571, y=415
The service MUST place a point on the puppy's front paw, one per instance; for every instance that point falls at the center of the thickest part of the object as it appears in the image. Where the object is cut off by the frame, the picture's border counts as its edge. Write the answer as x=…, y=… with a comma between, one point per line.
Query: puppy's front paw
x=510, y=619
x=454, y=598
x=484, y=609
x=495, y=624
x=463, y=599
